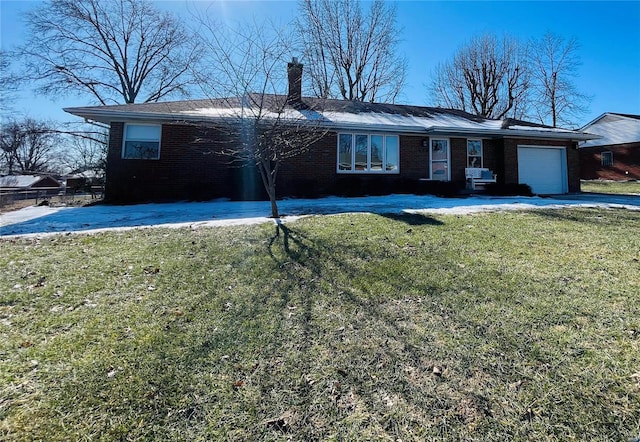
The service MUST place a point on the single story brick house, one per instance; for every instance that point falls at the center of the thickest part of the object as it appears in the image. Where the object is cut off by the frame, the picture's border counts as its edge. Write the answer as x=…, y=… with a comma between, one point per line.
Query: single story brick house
x=159, y=151
x=29, y=186
x=28, y=182
x=616, y=155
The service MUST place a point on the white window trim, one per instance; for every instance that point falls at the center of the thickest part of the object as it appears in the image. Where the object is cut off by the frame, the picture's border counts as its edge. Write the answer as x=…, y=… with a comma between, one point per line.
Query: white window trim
x=481, y=152
x=383, y=170
x=448, y=140
x=124, y=140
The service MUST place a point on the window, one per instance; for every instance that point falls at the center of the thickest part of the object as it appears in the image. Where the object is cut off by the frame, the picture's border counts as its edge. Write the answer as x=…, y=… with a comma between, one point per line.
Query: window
x=474, y=153
x=368, y=153
x=345, y=159
x=606, y=158
x=392, y=158
x=362, y=152
x=141, y=142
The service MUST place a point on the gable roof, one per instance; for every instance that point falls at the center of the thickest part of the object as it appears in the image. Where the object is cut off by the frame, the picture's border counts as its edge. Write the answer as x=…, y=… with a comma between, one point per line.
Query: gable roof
x=614, y=129
x=332, y=114
x=636, y=117
x=27, y=181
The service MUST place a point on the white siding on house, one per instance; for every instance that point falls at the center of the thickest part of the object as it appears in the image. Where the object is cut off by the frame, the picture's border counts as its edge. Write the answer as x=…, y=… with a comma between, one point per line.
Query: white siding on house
x=614, y=129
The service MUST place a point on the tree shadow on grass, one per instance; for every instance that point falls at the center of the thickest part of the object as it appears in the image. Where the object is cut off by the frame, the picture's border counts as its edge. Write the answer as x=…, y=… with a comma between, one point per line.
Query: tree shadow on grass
x=385, y=338
x=413, y=219
x=319, y=340
x=393, y=346
x=588, y=215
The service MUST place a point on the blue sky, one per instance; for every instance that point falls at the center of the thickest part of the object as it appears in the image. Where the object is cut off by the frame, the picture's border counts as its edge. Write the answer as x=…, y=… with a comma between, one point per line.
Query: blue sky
x=608, y=32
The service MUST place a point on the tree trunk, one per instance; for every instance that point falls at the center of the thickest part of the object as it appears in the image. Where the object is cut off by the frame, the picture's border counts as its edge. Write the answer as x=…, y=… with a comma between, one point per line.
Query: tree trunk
x=267, y=173
x=274, y=206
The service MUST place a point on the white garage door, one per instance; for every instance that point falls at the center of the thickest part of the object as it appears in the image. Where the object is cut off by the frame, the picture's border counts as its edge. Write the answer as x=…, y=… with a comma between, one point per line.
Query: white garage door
x=542, y=168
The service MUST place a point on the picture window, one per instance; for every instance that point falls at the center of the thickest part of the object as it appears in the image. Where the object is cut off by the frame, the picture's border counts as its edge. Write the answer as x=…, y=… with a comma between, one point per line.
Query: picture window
x=364, y=153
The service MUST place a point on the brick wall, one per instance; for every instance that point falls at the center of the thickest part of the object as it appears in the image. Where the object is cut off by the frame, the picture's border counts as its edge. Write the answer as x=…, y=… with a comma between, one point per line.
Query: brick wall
x=314, y=173
x=573, y=166
x=458, y=158
x=184, y=170
x=492, y=156
x=414, y=158
x=510, y=146
x=626, y=162
x=194, y=171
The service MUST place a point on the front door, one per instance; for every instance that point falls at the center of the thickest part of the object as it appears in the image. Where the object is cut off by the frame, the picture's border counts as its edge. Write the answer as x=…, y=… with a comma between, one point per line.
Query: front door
x=439, y=159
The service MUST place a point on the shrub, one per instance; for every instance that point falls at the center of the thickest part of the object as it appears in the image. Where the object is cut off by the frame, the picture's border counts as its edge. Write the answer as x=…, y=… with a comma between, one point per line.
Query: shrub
x=304, y=188
x=404, y=185
x=508, y=189
x=201, y=192
x=348, y=186
x=445, y=189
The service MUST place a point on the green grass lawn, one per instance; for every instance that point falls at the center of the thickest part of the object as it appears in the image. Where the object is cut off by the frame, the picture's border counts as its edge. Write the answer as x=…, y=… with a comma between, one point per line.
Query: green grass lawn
x=616, y=187
x=487, y=327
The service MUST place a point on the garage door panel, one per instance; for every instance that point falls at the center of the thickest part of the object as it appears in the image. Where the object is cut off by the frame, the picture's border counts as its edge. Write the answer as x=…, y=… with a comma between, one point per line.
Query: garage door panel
x=544, y=169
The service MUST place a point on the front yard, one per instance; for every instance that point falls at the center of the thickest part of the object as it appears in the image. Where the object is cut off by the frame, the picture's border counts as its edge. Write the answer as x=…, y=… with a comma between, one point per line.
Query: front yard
x=501, y=326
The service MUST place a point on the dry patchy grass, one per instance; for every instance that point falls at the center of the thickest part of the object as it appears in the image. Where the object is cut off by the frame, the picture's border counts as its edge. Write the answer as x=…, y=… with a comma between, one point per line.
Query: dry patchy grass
x=615, y=187
x=509, y=326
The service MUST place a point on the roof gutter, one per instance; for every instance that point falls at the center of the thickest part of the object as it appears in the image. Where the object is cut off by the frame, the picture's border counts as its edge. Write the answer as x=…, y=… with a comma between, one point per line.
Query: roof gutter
x=515, y=133
x=102, y=116
x=478, y=132
x=110, y=116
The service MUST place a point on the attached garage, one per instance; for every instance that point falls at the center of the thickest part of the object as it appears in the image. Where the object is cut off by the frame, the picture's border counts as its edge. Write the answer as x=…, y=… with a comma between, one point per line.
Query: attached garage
x=543, y=168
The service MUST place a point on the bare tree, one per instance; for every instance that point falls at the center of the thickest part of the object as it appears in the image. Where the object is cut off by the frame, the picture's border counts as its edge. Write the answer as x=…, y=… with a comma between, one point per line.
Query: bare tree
x=28, y=146
x=488, y=77
x=349, y=53
x=255, y=125
x=8, y=82
x=87, y=152
x=116, y=51
x=11, y=138
x=554, y=64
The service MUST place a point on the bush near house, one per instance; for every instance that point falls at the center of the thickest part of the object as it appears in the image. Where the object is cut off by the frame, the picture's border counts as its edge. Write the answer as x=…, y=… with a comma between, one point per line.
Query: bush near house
x=508, y=189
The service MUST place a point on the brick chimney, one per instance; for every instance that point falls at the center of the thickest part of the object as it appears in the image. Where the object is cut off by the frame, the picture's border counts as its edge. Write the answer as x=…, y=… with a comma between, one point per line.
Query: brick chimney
x=294, y=72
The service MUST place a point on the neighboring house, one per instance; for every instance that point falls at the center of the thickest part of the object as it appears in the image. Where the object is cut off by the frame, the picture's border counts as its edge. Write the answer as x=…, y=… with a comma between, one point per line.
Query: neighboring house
x=616, y=155
x=29, y=183
x=87, y=181
x=368, y=148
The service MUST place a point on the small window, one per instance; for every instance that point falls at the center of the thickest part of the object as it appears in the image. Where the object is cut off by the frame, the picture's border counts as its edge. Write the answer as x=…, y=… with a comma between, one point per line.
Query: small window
x=607, y=159
x=474, y=153
x=141, y=142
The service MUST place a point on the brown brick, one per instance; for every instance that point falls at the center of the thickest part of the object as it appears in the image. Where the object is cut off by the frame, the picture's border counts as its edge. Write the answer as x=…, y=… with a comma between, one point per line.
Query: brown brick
x=189, y=170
